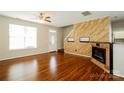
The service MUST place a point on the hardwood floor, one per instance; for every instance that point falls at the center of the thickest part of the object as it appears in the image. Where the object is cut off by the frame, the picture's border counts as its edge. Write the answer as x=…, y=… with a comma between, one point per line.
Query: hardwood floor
x=52, y=66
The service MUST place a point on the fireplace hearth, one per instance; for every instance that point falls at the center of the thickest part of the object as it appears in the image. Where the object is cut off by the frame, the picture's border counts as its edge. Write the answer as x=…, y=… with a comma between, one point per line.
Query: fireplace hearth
x=99, y=54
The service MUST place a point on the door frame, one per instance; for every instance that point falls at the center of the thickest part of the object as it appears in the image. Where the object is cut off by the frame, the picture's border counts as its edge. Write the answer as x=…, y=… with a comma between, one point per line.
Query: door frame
x=53, y=31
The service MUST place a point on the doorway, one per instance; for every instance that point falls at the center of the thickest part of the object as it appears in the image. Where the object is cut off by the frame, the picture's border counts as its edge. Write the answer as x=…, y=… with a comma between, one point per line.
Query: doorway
x=52, y=41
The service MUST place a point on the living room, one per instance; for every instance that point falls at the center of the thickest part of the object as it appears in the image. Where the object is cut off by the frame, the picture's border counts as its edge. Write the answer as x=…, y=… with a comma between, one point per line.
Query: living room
x=44, y=44
x=61, y=46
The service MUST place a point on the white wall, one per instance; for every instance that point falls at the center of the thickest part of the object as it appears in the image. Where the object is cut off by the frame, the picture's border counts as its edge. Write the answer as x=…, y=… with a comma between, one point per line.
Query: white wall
x=118, y=60
x=42, y=38
x=118, y=51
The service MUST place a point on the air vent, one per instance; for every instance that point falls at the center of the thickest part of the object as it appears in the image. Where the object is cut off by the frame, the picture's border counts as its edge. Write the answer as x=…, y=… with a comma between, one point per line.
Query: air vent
x=86, y=13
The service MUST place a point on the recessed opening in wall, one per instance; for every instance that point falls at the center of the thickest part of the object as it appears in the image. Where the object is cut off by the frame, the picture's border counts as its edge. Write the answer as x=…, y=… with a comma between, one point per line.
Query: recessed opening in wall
x=70, y=39
x=84, y=39
x=52, y=40
x=99, y=54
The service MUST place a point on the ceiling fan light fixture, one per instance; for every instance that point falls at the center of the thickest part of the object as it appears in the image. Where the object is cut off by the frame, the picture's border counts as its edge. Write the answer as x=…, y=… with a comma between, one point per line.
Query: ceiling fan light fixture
x=86, y=13
x=44, y=17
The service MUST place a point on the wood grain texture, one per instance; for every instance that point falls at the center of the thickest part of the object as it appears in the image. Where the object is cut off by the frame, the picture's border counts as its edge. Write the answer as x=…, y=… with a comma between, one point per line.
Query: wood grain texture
x=97, y=30
x=52, y=66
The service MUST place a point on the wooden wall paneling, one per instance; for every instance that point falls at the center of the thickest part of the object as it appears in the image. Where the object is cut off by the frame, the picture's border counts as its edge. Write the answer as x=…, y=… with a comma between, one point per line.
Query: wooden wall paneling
x=97, y=30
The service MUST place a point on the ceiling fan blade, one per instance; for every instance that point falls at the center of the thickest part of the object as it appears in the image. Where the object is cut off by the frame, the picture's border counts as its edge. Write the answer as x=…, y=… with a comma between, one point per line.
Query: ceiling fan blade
x=48, y=17
x=48, y=21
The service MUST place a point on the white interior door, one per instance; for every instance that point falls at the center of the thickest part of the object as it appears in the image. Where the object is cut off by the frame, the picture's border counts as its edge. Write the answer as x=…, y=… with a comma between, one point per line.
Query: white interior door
x=52, y=41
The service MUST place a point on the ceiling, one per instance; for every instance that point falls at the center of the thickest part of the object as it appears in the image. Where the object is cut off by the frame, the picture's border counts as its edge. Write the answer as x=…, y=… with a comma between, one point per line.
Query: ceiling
x=63, y=18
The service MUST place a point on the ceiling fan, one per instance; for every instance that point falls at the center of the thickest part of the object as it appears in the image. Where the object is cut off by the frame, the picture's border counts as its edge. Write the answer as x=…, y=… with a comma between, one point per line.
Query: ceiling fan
x=44, y=17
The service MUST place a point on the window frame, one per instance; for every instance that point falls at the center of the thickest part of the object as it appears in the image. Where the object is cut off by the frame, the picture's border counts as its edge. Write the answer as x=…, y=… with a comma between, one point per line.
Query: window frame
x=24, y=37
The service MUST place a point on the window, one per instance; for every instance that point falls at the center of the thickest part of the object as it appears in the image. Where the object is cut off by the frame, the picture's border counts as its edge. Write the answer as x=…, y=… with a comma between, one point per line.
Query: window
x=22, y=37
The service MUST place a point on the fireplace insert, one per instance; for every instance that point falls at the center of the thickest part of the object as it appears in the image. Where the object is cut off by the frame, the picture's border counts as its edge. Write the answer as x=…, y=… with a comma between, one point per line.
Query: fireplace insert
x=99, y=54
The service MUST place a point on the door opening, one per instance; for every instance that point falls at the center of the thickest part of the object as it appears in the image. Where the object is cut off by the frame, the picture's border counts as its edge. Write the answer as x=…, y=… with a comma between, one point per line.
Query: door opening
x=52, y=41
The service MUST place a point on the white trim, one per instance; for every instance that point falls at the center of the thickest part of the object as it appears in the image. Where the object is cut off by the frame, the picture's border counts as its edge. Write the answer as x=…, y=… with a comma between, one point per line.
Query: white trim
x=59, y=48
x=110, y=33
x=78, y=54
x=53, y=31
x=11, y=26
x=118, y=74
x=52, y=50
x=22, y=56
x=26, y=55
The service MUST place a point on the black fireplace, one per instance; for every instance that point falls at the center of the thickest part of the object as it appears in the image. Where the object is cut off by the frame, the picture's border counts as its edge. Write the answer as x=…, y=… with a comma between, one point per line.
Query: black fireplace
x=99, y=54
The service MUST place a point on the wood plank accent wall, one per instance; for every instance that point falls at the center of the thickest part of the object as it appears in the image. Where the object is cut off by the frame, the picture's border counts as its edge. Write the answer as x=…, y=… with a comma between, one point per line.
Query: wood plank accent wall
x=97, y=30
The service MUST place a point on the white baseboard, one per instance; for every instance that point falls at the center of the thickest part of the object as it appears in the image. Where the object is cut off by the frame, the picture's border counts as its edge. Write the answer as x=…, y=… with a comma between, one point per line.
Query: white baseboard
x=60, y=48
x=40, y=53
x=118, y=74
x=78, y=54
x=23, y=56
